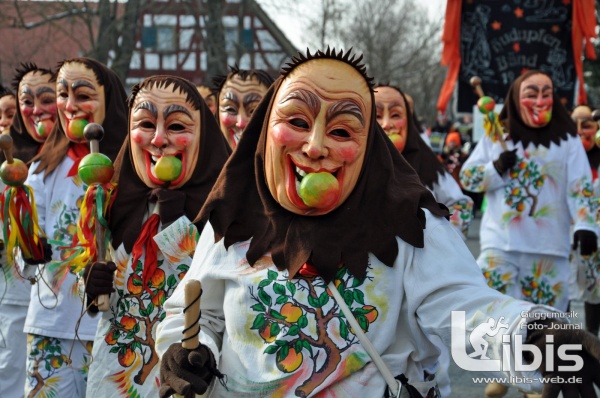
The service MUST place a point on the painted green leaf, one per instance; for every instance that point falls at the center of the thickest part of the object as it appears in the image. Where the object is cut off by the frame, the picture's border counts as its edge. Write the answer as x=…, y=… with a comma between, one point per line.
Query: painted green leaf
x=171, y=281
x=264, y=283
x=276, y=314
x=359, y=296
x=281, y=343
x=259, y=322
x=294, y=330
x=264, y=297
x=343, y=329
x=114, y=350
x=291, y=287
x=283, y=353
x=298, y=345
x=272, y=275
x=275, y=329
x=307, y=345
x=323, y=299
x=258, y=307
x=363, y=322
x=302, y=321
x=278, y=288
x=272, y=349
x=313, y=302
x=281, y=300
x=348, y=298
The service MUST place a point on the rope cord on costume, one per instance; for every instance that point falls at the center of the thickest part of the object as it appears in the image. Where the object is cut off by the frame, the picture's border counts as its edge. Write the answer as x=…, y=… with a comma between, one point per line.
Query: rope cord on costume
x=41, y=277
x=84, y=310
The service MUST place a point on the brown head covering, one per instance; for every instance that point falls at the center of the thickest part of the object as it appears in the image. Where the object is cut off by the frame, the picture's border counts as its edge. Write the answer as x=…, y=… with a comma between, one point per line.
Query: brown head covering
x=219, y=81
x=386, y=201
x=559, y=128
x=594, y=153
x=127, y=212
x=24, y=146
x=115, y=123
x=416, y=151
x=13, y=132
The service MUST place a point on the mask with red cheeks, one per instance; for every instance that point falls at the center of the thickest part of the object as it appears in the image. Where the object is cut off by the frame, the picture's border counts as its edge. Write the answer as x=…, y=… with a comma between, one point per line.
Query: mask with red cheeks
x=165, y=136
x=536, y=99
x=37, y=103
x=237, y=100
x=8, y=108
x=317, y=136
x=586, y=125
x=80, y=99
x=392, y=115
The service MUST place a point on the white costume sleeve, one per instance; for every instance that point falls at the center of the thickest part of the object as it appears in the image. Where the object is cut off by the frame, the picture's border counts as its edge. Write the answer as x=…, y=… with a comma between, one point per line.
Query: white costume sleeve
x=212, y=322
x=478, y=173
x=448, y=192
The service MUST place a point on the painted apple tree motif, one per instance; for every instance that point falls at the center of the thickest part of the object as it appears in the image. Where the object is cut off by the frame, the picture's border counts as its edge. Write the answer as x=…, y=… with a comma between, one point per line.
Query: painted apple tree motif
x=300, y=321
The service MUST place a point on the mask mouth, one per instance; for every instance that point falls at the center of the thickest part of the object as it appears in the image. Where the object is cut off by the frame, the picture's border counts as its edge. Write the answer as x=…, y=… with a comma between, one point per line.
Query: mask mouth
x=235, y=134
x=296, y=174
x=152, y=159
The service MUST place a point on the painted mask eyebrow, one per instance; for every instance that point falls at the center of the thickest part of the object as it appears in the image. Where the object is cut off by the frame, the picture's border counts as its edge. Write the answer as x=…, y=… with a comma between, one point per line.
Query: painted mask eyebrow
x=43, y=90
x=349, y=107
x=231, y=97
x=176, y=109
x=82, y=83
x=62, y=82
x=27, y=91
x=308, y=97
x=252, y=97
x=149, y=106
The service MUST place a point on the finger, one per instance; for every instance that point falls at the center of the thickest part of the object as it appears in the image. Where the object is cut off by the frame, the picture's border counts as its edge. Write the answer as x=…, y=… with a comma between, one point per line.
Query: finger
x=166, y=391
x=550, y=390
x=176, y=384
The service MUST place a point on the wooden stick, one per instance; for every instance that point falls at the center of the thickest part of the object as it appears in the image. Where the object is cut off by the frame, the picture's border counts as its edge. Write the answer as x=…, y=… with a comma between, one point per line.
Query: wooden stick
x=475, y=81
x=94, y=133
x=6, y=143
x=191, y=312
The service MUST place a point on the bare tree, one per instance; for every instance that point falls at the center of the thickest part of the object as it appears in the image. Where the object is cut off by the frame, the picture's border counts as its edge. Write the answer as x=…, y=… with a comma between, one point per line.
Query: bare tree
x=401, y=45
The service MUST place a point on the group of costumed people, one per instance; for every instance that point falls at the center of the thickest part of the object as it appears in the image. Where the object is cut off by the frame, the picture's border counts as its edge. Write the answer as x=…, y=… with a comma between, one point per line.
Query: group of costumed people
x=298, y=203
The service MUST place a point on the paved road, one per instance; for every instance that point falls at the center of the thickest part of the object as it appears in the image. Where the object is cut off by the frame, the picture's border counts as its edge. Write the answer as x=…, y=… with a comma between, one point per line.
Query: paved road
x=462, y=383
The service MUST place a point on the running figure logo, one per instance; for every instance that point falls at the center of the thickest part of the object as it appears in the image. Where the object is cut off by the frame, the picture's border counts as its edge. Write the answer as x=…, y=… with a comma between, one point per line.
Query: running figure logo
x=490, y=328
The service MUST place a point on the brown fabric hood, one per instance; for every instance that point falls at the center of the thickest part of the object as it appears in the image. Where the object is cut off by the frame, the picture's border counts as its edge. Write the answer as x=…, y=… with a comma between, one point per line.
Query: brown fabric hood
x=385, y=203
x=560, y=127
x=115, y=123
x=24, y=146
x=127, y=212
x=418, y=154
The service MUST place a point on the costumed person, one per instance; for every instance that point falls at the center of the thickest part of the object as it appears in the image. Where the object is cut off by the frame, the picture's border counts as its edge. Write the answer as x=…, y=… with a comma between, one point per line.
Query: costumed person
x=59, y=336
x=8, y=109
x=209, y=98
x=238, y=94
x=36, y=97
x=14, y=290
x=153, y=238
x=535, y=189
x=277, y=267
x=394, y=116
x=585, y=270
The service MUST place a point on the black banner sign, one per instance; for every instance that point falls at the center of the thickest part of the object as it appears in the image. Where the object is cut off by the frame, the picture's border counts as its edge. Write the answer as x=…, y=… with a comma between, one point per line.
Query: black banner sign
x=501, y=39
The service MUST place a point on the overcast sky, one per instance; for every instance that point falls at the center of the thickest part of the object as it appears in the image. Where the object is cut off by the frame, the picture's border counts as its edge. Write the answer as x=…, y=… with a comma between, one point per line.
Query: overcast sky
x=292, y=25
